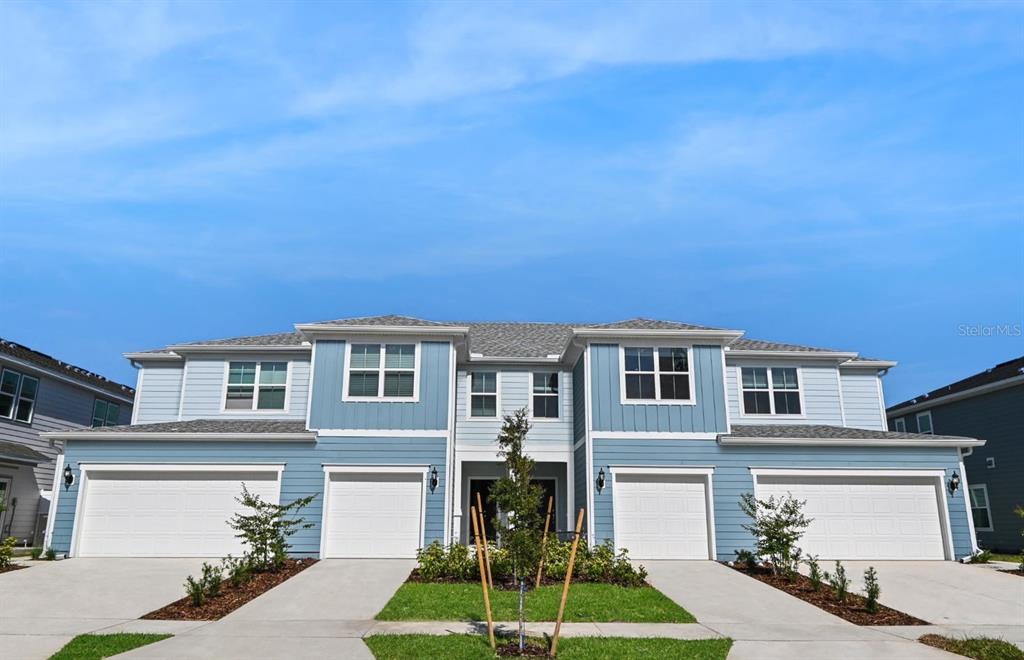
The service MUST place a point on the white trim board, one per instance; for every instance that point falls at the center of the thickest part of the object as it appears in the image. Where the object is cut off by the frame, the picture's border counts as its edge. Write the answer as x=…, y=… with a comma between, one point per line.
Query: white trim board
x=305, y=436
x=854, y=442
x=652, y=435
x=469, y=394
x=382, y=371
x=657, y=373
x=381, y=433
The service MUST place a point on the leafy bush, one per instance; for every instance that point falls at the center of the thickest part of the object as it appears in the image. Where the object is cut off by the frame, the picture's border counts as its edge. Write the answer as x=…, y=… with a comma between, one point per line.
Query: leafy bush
x=815, y=572
x=266, y=530
x=980, y=557
x=839, y=582
x=212, y=577
x=871, y=589
x=456, y=562
x=238, y=570
x=7, y=551
x=195, y=590
x=746, y=558
x=777, y=524
x=51, y=554
x=37, y=553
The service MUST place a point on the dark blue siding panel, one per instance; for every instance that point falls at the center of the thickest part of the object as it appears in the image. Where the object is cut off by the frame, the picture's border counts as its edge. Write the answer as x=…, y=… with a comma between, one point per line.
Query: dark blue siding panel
x=732, y=477
x=303, y=474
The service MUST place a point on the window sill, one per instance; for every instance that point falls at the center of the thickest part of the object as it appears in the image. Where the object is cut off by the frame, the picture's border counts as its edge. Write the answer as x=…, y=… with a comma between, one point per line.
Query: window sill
x=379, y=399
x=658, y=402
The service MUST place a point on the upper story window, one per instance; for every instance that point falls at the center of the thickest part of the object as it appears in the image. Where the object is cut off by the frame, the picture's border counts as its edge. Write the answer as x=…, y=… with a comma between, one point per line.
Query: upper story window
x=657, y=374
x=18, y=395
x=105, y=413
x=256, y=386
x=545, y=394
x=483, y=394
x=900, y=424
x=771, y=391
x=924, y=422
x=381, y=371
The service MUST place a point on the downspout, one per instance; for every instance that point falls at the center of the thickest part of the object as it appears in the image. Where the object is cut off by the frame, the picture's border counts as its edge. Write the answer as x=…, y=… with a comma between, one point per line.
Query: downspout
x=964, y=453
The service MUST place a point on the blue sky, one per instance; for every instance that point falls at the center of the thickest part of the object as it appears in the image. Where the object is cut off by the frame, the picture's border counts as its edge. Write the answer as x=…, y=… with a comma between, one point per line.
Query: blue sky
x=842, y=175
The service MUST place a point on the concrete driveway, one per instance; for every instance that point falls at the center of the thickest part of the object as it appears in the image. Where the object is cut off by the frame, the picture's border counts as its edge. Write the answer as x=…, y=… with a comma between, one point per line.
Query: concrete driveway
x=44, y=606
x=322, y=612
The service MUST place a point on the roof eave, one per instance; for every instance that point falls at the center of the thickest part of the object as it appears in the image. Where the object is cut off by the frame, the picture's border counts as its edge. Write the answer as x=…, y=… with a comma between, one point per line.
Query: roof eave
x=491, y=359
x=68, y=378
x=240, y=348
x=22, y=460
x=718, y=336
x=149, y=356
x=841, y=356
x=317, y=331
x=854, y=442
x=306, y=436
x=870, y=364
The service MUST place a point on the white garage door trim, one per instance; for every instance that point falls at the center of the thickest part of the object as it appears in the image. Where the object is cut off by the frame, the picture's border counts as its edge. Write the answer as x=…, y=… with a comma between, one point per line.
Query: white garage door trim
x=371, y=469
x=85, y=469
x=938, y=477
x=671, y=471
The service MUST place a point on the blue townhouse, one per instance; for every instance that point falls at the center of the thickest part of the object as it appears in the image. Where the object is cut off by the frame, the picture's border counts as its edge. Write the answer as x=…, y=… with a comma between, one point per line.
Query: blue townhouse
x=655, y=428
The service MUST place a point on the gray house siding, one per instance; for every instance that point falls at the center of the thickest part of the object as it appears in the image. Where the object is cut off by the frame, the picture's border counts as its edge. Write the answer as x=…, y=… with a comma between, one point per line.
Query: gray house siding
x=732, y=478
x=329, y=411
x=204, y=383
x=610, y=414
x=579, y=423
x=862, y=404
x=997, y=417
x=159, y=395
x=303, y=474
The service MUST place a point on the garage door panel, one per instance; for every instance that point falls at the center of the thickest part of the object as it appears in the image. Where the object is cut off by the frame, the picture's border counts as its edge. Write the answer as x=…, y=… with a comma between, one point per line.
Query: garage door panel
x=661, y=516
x=865, y=517
x=374, y=515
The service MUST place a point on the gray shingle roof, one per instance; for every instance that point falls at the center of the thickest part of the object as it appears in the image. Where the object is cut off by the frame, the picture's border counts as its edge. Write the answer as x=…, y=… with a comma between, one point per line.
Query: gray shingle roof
x=20, y=453
x=208, y=426
x=646, y=324
x=1002, y=371
x=43, y=360
x=387, y=319
x=525, y=340
x=821, y=431
x=274, y=339
x=763, y=345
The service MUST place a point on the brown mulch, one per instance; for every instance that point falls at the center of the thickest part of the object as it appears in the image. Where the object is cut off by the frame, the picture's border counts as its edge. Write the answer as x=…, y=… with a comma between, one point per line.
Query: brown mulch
x=532, y=649
x=230, y=598
x=12, y=567
x=1015, y=571
x=853, y=609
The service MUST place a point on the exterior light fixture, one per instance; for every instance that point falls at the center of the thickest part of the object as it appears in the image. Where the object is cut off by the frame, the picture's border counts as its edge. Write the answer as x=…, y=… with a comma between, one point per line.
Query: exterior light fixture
x=433, y=479
x=600, y=480
x=954, y=483
x=69, y=477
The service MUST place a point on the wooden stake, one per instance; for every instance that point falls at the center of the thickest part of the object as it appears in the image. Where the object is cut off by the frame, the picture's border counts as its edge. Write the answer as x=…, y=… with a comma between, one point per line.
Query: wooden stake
x=483, y=533
x=544, y=540
x=483, y=576
x=565, y=588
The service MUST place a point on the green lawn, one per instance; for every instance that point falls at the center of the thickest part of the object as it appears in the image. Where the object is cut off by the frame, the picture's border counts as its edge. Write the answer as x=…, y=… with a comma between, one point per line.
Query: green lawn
x=94, y=647
x=473, y=647
x=979, y=648
x=997, y=556
x=416, y=601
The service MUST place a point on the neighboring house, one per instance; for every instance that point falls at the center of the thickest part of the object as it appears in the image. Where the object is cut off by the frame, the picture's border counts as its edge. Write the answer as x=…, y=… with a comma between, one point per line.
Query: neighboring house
x=988, y=405
x=655, y=428
x=39, y=393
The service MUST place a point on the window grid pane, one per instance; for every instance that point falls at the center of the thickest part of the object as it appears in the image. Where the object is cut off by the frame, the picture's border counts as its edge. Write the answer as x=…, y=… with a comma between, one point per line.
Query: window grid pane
x=784, y=378
x=9, y=384
x=239, y=397
x=24, y=411
x=755, y=378
x=674, y=386
x=273, y=373
x=484, y=382
x=113, y=412
x=400, y=356
x=787, y=403
x=365, y=356
x=545, y=406
x=673, y=359
x=364, y=383
x=270, y=398
x=484, y=405
x=6, y=404
x=242, y=373
x=398, y=383
x=99, y=413
x=29, y=386
x=756, y=403
x=545, y=383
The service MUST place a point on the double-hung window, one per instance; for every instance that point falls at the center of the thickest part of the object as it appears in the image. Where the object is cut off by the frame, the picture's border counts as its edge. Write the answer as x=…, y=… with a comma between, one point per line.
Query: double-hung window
x=657, y=374
x=381, y=371
x=900, y=424
x=771, y=391
x=105, y=413
x=483, y=394
x=924, y=422
x=256, y=386
x=18, y=395
x=980, y=509
x=545, y=394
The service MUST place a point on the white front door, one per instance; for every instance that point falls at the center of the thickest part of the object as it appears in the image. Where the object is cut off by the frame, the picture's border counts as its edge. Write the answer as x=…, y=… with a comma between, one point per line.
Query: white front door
x=374, y=514
x=166, y=513
x=865, y=517
x=661, y=516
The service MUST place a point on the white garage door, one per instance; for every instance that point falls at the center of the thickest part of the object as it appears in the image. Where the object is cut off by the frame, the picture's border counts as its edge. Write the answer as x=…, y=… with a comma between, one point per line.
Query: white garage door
x=374, y=514
x=865, y=517
x=174, y=513
x=660, y=516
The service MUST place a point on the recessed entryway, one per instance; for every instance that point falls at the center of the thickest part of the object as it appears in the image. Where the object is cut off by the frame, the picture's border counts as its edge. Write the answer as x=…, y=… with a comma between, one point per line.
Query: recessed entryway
x=373, y=512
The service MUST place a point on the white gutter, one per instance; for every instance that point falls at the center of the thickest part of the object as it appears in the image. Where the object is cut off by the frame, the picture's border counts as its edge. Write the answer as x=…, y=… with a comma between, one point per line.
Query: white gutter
x=341, y=331
x=168, y=356
x=803, y=355
x=304, y=436
x=717, y=336
x=238, y=348
x=854, y=442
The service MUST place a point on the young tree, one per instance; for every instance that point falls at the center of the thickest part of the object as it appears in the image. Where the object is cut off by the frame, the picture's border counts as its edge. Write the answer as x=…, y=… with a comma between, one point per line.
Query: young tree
x=777, y=525
x=266, y=530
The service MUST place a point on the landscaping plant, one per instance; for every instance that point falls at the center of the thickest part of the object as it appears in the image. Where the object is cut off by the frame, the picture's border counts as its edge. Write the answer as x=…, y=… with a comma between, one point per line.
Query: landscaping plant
x=747, y=558
x=839, y=582
x=7, y=551
x=871, y=589
x=51, y=554
x=980, y=557
x=265, y=531
x=195, y=590
x=36, y=553
x=777, y=524
x=212, y=577
x=237, y=569
x=815, y=572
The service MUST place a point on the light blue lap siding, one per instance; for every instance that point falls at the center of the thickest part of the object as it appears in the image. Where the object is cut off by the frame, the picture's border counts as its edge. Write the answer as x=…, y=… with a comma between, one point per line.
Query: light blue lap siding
x=609, y=414
x=328, y=411
x=732, y=477
x=303, y=474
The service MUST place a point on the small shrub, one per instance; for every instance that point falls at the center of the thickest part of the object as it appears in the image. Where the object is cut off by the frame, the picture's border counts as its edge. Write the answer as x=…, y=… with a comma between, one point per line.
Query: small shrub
x=871, y=589
x=7, y=551
x=51, y=554
x=455, y=562
x=195, y=591
x=266, y=529
x=815, y=572
x=37, y=553
x=746, y=558
x=839, y=582
x=212, y=577
x=777, y=524
x=238, y=570
x=980, y=557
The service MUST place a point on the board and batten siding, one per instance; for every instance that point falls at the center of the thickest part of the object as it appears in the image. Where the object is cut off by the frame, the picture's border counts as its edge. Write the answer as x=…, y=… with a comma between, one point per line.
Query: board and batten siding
x=328, y=411
x=820, y=388
x=732, y=478
x=862, y=404
x=579, y=423
x=610, y=414
x=303, y=473
x=205, y=379
x=159, y=395
x=514, y=393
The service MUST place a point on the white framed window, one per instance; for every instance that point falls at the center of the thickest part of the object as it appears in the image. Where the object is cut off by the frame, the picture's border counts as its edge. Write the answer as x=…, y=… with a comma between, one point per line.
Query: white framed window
x=924, y=422
x=544, y=394
x=656, y=374
x=105, y=413
x=18, y=394
x=259, y=386
x=980, y=509
x=900, y=424
x=484, y=400
x=771, y=391
x=381, y=371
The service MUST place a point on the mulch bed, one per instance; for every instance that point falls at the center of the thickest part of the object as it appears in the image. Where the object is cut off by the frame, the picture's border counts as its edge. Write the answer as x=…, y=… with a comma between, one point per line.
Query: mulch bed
x=12, y=567
x=1015, y=571
x=853, y=610
x=230, y=598
x=532, y=649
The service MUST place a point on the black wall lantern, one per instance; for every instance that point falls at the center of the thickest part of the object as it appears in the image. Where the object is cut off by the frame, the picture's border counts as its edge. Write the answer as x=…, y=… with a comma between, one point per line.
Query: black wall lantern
x=69, y=477
x=600, y=480
x=954, y=483
x=433, y=479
